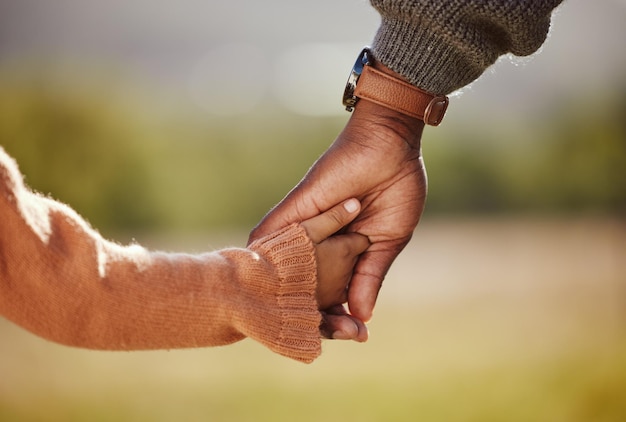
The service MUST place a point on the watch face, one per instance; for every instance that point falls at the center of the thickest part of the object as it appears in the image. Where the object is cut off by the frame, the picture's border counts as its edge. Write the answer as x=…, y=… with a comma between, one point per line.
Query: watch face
x=349, y=100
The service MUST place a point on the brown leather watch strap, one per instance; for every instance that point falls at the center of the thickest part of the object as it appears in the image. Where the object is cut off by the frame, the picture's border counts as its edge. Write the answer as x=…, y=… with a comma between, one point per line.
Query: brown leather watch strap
x=383, y=89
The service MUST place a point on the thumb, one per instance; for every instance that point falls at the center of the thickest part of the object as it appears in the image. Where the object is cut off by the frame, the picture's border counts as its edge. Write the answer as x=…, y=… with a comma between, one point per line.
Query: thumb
x=327, y=223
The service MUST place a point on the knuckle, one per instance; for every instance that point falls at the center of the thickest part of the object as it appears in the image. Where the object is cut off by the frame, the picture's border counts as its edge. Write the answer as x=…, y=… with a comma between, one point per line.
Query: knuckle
x=337, y=217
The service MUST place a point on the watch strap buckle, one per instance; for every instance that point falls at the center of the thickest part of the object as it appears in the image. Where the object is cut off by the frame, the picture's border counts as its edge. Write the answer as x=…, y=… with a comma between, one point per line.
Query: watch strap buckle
x=435, y=110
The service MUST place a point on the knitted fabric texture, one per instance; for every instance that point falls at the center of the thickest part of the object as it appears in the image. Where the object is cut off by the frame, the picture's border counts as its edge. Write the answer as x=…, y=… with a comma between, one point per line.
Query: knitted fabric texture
x=62, y=281
x=441, y=46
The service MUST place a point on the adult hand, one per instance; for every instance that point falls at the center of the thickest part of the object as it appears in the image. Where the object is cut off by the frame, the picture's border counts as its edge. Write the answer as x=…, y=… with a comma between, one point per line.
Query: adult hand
x=376, y=159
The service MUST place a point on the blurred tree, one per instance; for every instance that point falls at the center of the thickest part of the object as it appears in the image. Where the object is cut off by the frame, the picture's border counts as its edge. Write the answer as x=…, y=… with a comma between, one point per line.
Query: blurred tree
x=79, y=149
x=573, y=162
x=128, y=171
x=585, y=164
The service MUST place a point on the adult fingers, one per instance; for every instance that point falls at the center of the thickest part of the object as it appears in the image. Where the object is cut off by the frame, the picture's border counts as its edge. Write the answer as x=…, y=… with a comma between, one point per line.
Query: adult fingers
x=307, y=199
x=288, y=210
x=367, y=280
x=326, y=224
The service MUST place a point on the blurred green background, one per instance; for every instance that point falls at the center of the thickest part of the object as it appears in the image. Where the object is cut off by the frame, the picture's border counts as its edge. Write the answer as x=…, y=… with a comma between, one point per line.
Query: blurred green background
x=180, y=124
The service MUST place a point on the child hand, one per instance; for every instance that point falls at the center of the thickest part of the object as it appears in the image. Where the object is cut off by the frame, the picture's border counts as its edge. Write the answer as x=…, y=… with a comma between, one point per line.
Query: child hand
x=336, y=254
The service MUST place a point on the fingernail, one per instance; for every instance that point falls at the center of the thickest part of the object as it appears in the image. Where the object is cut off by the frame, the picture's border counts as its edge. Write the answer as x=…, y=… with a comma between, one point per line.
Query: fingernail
x=351, y=205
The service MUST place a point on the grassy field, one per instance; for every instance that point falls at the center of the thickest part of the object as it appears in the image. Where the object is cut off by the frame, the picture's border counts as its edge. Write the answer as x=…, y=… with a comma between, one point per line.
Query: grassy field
x=479, y=320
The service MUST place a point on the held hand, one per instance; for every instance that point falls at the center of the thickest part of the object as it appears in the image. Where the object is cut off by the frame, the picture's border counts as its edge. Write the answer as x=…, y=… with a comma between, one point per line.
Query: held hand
x=377, y=159
x=336, y=254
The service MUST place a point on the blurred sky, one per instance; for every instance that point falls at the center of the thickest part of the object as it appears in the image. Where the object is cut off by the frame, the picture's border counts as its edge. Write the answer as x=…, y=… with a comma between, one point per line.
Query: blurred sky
x=229, y=57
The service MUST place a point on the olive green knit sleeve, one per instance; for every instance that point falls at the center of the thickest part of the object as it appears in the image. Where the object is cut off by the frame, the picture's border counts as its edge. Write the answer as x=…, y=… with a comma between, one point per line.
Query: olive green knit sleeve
x=441, y=46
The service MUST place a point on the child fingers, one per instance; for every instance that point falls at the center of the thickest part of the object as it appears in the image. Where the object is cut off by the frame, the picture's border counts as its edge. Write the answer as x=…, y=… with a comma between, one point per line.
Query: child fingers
x=343, y=327
x=327, y=223
x=356, y=243
x=347, y=246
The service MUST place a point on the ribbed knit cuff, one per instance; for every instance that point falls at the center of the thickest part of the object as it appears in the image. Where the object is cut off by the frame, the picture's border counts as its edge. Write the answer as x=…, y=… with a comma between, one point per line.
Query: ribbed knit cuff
x=293, y=329
x=427, y=59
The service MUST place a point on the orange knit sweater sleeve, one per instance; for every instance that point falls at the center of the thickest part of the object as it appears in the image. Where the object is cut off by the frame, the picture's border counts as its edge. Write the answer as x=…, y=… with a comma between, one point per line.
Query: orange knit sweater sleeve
x=62, y=281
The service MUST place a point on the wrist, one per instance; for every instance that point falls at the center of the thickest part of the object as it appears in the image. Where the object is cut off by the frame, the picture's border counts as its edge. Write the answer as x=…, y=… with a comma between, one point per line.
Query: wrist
x=371, y=81
x=387, y=125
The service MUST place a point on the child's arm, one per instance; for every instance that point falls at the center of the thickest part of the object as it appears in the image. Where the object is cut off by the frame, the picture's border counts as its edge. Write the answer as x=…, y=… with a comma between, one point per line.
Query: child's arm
x=62, y=281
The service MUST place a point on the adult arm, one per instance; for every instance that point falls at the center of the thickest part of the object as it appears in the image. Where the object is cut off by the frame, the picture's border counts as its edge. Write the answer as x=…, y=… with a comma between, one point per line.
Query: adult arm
x=439, y=47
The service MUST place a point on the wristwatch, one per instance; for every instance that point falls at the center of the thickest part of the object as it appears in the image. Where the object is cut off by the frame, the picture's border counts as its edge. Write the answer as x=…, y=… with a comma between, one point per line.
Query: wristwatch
x=375, y=85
